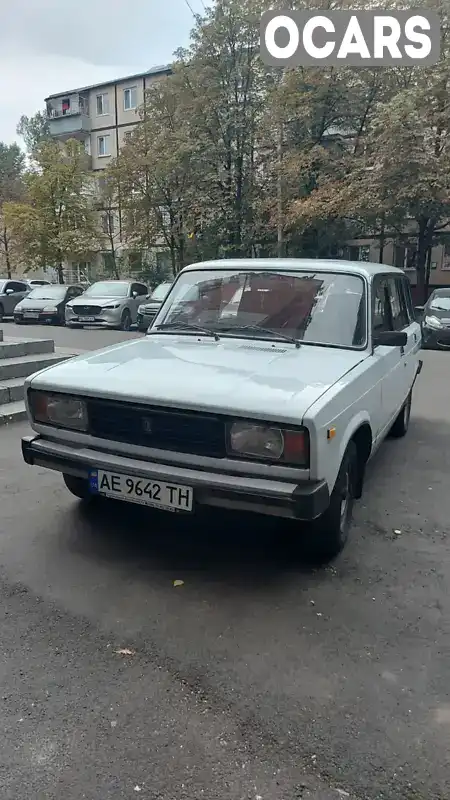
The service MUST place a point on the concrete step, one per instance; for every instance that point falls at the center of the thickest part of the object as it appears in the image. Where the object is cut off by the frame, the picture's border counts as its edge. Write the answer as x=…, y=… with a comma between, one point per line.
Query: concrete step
x=23, y=366
x=14, y=348
x=11, y=390
x=12, y=412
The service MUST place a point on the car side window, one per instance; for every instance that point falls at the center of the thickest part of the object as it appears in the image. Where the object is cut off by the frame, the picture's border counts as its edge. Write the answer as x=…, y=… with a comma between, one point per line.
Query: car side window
x=408, y=299
x=382, y=317
x=16, y=286
x=142, y=290
x=134, y=288
x=397, y=300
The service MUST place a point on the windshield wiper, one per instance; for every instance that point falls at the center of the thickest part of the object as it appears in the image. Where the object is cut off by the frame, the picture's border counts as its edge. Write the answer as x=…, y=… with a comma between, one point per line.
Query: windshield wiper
x=188, y=326
x=259, y=329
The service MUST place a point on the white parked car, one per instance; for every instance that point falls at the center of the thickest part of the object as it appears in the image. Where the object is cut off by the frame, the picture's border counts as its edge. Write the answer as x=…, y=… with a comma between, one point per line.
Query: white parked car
x=106, y=304
x=274, y=409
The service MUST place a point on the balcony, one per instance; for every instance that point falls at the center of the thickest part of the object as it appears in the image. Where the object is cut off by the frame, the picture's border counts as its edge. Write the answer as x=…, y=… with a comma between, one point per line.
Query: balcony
x=70, y=124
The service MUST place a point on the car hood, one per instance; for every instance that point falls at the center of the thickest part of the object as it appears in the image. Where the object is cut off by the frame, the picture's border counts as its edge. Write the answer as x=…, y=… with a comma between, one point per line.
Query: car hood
x=151, y=304
x=441, y=314
x=28, y=302
x=96, y=301
x=246, y=378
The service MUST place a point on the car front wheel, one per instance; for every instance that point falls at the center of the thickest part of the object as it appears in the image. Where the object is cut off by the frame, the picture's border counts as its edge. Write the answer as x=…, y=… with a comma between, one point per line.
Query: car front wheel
x=401, y=424
x=125, y=322
x=327, y=535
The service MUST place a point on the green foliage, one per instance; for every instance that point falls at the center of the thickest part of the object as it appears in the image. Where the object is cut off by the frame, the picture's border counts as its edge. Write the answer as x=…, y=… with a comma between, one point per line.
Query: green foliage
x=12, y=164
x=34, y=131
x=56, y=221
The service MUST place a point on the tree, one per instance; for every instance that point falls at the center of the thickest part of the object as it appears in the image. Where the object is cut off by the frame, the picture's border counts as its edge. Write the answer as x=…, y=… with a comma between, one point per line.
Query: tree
x=57, y=221
x=11, y=189
x=110, y=232
x=34, y=130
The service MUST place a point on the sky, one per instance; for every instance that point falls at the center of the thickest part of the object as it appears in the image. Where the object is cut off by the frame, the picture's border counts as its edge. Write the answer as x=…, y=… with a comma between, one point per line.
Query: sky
x=50, y=46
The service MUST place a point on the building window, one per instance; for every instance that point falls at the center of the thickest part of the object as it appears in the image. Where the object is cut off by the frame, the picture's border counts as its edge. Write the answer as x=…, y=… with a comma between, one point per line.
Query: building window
x=405, y=257
x=127, y=136
x=87, y=146
x=108, y=224
x=102, y=105
x=359, y=252
x=103, y=146
x=66, y=105
x=130, y=98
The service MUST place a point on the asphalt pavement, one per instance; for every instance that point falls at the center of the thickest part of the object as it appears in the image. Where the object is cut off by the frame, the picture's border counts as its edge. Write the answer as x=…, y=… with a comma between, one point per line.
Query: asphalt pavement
x=255, y=678
x=77, y=338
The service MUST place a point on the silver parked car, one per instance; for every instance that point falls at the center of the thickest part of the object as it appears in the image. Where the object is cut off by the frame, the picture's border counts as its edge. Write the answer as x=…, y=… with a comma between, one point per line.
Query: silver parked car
x=11, y=293
x=148, y=310
x=107, y=304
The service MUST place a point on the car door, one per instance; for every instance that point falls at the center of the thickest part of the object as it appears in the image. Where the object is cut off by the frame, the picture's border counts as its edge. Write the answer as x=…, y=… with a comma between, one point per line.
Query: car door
x=388, y=360
x=14, y=292
x=404, y=320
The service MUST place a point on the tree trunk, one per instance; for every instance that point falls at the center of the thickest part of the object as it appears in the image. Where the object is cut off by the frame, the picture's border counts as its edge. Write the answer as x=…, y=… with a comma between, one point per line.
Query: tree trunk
x=424, y=239
x=280, y=194
x=60, y=270
x=427, y=272
x=6, y=249
x=382, y=240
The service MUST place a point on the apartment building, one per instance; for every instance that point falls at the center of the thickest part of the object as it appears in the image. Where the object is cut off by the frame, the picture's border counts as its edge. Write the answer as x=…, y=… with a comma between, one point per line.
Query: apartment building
x=102, y=115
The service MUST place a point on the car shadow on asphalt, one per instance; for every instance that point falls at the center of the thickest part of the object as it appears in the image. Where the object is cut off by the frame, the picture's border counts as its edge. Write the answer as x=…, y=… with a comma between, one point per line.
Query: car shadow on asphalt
x=230, y=546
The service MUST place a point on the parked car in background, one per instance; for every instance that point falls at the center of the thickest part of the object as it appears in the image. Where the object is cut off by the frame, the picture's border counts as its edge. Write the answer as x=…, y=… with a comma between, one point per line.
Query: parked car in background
x=37, y=282
x=274, y=410
x=46, y=303
x=435, y=320
x=148, y=310
x=107, y=304
x=11, y=293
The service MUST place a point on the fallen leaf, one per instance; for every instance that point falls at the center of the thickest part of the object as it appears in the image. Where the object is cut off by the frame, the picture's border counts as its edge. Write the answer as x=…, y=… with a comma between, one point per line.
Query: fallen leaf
x=125, y=651
x=178, y=583
x=137, y=789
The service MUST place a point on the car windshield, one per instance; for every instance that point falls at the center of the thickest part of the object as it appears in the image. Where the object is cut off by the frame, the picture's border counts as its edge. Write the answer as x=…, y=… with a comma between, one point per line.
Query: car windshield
x=108, y=289
x=318, y=308
x=2, y=285
x=161, y=291
x=440, y=303
x=47, y=293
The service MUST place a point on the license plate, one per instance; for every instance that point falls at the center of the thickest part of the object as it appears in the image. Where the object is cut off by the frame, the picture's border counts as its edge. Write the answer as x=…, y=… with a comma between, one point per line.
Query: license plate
x=157, y=494
x=86, y=319
x=31, y=314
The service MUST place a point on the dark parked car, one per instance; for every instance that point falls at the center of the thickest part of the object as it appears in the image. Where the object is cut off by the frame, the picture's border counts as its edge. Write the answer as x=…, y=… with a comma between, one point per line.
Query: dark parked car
x=435, y=320
x=46, y=304
x=148, y=310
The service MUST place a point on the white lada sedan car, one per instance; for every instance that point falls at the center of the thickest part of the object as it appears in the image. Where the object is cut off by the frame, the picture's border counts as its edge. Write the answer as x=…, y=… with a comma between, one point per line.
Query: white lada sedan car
x=271, y=404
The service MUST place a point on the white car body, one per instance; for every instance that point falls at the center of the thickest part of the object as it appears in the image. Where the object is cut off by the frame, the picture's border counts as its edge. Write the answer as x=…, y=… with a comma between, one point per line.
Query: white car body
x=339, y=395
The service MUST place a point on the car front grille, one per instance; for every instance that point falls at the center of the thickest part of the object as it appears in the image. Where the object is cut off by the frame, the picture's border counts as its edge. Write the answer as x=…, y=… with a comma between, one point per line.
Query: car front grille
x=86, y=311
x=163, y=429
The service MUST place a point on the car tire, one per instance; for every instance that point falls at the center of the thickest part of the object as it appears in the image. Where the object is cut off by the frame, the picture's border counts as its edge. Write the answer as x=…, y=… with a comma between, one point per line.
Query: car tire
x=2, y=312
x=125, y=322
x=78, y=487
x=328, y=535
x=401, y=424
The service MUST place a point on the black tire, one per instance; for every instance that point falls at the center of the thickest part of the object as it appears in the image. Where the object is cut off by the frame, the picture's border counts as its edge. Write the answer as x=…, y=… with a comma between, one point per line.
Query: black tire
x=2, y=312
x=328, y=535
x=401, y=424
x=125, y=322
x=78, y=486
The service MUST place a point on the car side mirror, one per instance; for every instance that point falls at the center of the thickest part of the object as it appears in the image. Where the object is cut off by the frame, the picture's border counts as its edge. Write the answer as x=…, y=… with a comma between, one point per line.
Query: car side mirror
x=390, y=339
x=9, y=291
x=134, y=295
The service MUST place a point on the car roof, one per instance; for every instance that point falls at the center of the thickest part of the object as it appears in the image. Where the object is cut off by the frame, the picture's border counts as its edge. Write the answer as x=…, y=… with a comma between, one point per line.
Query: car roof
x=366, y=269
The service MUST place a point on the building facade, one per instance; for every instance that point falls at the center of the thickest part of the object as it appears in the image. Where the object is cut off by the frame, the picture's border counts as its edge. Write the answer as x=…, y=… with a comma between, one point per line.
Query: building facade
x=100, y=116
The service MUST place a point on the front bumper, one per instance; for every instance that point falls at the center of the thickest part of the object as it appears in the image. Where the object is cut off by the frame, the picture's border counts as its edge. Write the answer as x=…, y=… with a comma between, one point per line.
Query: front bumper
x=44, y=318
x=305, y=501
x=98, y=322
x=145, y=320
x=436, y=338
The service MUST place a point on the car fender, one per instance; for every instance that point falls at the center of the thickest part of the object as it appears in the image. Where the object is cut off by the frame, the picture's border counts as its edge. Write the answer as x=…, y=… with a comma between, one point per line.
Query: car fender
x=361, y=418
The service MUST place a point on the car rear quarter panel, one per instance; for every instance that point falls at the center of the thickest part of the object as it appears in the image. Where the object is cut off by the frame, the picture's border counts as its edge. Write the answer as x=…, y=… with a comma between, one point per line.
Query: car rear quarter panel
x=354, y=400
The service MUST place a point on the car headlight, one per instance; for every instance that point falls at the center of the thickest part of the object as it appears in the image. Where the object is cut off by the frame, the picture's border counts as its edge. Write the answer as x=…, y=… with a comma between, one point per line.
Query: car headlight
x=50, y=309
x=433, y=322
x=60, y=410
x=18, y=307
x=254, y=440
x=112, y=305
x=141, y=310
